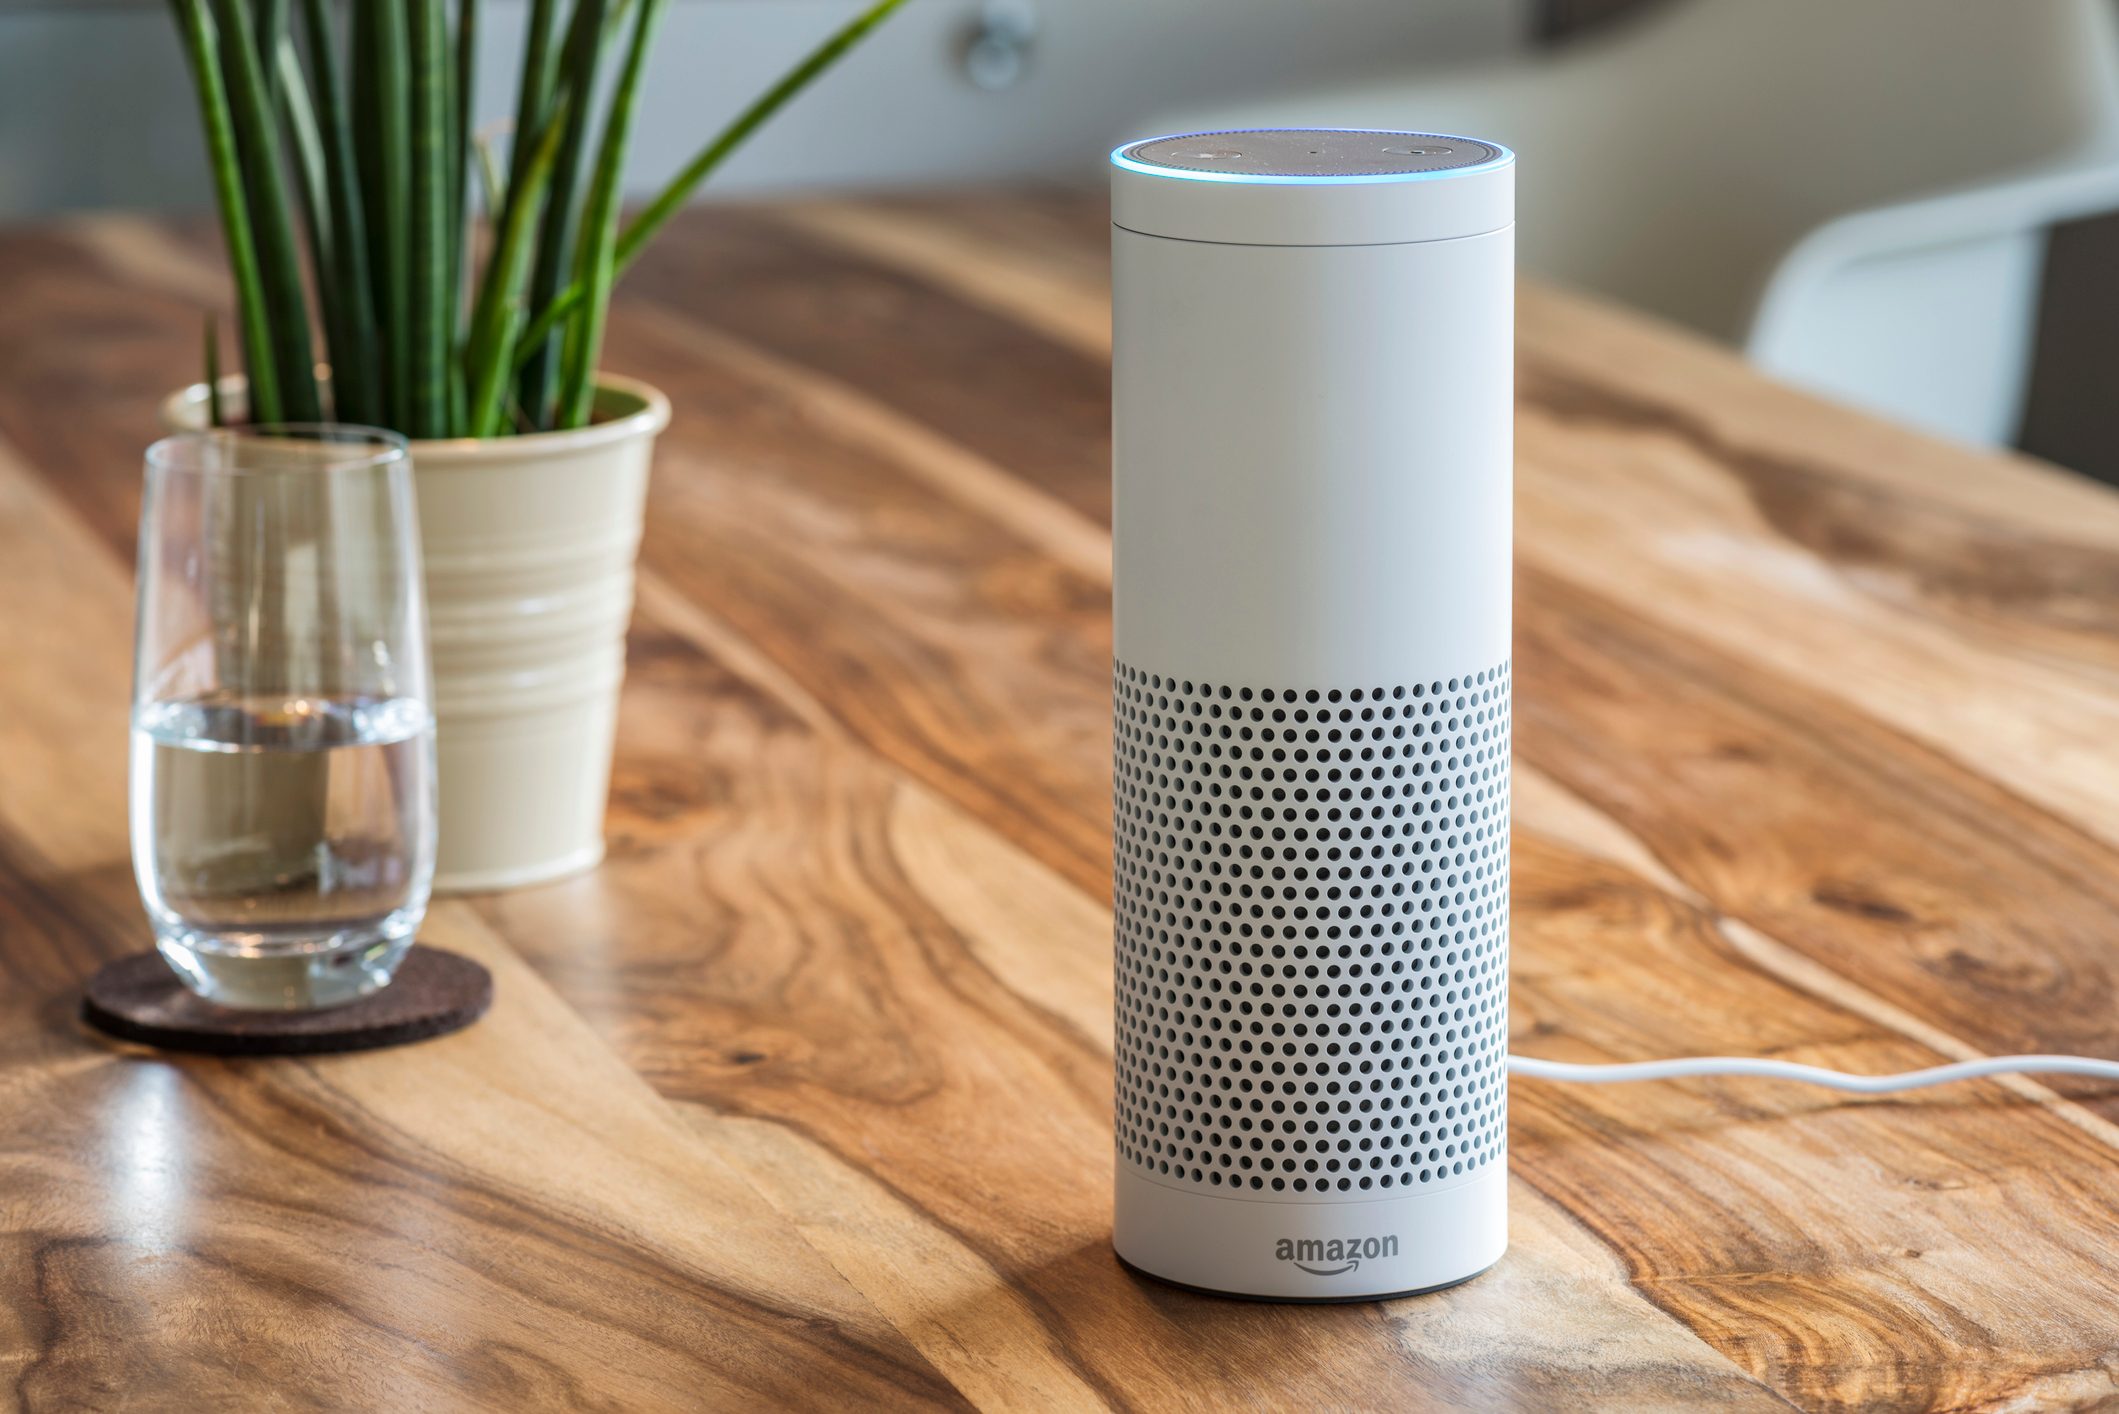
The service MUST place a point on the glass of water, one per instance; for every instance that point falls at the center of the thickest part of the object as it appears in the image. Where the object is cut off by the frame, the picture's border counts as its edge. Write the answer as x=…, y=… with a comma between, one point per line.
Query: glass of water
x=282, y=725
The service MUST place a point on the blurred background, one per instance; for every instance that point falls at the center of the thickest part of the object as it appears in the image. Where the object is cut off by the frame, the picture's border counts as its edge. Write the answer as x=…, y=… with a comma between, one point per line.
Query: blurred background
x=1905, y=204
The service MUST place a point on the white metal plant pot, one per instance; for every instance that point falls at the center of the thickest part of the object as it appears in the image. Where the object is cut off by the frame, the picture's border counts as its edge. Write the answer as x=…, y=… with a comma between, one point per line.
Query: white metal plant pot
x=528, y=546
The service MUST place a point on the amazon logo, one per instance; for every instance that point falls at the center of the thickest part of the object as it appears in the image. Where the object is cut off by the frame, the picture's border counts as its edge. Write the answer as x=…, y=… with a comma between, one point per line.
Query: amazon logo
x=1333, y=1256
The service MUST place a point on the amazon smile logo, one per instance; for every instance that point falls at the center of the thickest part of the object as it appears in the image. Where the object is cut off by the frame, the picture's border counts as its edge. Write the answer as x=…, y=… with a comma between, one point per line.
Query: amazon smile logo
x=1333, y=1256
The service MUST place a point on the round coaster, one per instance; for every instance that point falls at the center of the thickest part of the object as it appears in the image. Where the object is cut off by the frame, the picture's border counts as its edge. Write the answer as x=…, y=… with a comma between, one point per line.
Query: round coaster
x=139, y=998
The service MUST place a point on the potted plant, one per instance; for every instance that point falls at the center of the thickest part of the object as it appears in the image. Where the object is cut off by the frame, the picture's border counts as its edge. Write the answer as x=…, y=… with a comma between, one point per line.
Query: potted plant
x=344, y=197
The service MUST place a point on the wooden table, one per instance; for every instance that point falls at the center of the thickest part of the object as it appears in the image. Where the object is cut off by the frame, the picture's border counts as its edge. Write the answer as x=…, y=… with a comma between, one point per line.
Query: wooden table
x=804, y=1097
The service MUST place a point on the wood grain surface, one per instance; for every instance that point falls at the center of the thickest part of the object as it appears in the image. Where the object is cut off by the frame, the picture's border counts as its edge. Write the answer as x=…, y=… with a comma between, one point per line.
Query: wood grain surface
x=803, y=1098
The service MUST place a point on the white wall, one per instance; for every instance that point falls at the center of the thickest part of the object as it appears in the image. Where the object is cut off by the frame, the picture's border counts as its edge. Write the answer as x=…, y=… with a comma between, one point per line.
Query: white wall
x=95, y=107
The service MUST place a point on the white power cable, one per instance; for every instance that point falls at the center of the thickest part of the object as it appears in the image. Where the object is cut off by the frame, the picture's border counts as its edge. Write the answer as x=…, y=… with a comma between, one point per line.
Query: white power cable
x=1566, y=1072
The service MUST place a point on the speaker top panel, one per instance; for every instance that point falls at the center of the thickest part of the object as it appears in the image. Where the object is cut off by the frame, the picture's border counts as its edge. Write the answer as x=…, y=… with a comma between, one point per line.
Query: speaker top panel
x=1313, y=187
x=1308, y=155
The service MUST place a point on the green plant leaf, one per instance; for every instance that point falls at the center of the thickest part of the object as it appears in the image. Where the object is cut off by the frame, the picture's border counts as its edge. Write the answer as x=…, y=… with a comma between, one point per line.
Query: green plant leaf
x=271, y=29
x=427, y=413
x=595, y=262
x=313, y=186
x=272, y=225
x=382, y=114
x=533, y=100
x=300, y=115
x=563, y=305
x=496, y=320
x=463, y=103
x=347, y=287
x=533, y=90
x=579, y=62
x=642, y=228
x=465, y=96
x=215, y=416
x=201, y=45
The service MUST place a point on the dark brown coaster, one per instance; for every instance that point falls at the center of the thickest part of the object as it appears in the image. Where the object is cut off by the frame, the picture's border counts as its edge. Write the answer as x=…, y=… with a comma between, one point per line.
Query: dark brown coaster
x=139, y=998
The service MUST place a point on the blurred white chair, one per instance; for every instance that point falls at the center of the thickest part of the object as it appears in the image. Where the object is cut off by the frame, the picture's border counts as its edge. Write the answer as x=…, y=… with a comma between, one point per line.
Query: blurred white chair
x=1855, y=190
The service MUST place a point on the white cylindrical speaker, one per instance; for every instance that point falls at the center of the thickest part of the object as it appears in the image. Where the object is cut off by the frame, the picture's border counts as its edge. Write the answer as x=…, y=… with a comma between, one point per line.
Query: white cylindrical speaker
x=1312, y=399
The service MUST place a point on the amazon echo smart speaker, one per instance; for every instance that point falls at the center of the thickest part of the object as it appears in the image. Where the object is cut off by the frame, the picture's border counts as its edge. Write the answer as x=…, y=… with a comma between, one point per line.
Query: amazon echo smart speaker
x=1312, y=396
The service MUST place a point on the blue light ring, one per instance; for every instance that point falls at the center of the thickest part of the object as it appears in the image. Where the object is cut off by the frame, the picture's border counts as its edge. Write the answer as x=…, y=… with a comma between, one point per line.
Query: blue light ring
x=1505, y=158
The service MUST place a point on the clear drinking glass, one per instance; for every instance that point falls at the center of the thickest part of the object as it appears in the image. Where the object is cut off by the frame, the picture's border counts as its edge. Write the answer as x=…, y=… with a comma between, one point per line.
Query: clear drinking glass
x=282, y=724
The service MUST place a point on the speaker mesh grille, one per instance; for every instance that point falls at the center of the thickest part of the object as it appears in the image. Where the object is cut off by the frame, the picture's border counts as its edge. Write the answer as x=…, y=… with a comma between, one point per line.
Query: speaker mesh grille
x=1312, y=932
